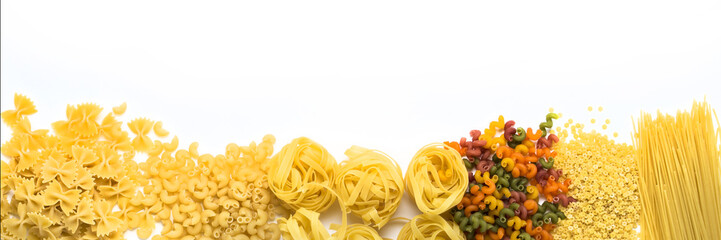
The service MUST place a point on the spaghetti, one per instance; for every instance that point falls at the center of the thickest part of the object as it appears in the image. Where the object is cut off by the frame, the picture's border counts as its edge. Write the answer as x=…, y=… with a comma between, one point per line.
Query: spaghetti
x=680, y=186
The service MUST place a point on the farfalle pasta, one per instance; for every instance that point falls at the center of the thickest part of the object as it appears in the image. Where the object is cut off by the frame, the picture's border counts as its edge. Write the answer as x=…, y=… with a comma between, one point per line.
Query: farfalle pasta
x=23, y=107
x=66, y=183
x=141, y=127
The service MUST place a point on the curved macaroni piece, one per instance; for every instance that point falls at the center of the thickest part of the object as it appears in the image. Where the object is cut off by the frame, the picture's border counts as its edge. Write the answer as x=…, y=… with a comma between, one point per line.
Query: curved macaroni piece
x=158, y=129
x=120, y=109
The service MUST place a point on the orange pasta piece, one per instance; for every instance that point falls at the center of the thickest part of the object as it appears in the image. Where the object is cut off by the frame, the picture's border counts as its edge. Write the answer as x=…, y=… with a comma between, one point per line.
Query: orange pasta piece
x=531, y=230
x=532, y=136
x=489, y=188
x=531, y=206
x=478, y=198
x=470, y=209
x=532, y=170
x=504, y=151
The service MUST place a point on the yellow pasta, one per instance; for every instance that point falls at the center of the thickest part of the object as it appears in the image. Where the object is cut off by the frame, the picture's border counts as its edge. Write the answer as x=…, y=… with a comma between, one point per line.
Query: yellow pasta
x=605, y=182
x=303, y=225
x=213, y=197
x=158, y=129
x=67, y=198
x=370, y=184
x=23, y=107
x=357, y=232
x=299, y=163
x=66, y=185
x=436, y=178
x=107, y=222
x=120, y=109
x=431, y=227
x=680, y=174
x=141, y=127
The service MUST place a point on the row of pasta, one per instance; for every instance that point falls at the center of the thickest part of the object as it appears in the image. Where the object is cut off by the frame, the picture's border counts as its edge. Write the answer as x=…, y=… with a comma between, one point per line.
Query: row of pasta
x=83, y=178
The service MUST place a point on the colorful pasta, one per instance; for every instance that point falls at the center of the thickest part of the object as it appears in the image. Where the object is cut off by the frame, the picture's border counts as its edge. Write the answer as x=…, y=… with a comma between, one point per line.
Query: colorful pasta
x=504, y=187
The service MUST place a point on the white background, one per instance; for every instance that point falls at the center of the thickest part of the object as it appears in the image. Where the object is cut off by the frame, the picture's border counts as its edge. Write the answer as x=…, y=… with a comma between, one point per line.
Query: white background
x=387, y=75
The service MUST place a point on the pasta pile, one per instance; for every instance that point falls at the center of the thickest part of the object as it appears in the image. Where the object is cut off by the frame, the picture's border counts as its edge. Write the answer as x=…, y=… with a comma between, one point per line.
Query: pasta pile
x=67, y=185
x=370, y=184
x=429, y=226
x=210, y=197
x=680, y=178
x=436, y=178
x=308, y=180
x=606, y=185
x=81, y=183
x=510, y=169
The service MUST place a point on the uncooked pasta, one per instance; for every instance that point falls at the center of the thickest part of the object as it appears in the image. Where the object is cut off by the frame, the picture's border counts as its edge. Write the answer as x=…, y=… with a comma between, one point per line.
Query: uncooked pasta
x=370, y=184
x=680, y=186
x=436, y=178
x=430, y=226
x=298, y=164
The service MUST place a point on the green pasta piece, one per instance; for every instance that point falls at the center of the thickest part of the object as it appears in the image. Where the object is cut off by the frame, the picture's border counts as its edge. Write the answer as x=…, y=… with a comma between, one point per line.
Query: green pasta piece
x=521, y=135
x=547, y=164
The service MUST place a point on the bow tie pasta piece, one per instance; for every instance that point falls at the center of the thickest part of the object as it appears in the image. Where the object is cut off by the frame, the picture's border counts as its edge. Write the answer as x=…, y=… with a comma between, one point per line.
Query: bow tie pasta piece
x=23, y=107
x=84, y=213
x=83, y=119
x=68, y=198
x=107, y=221
x=65, y=171
x=141, y=127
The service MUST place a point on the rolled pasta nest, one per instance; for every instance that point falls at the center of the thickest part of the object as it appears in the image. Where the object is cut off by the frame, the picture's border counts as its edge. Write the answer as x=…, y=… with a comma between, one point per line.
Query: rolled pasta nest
x=436, y=178
x=295, y=167
x=370, y=184
x=357, y=232
x=430, y=226
x=304, y=224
